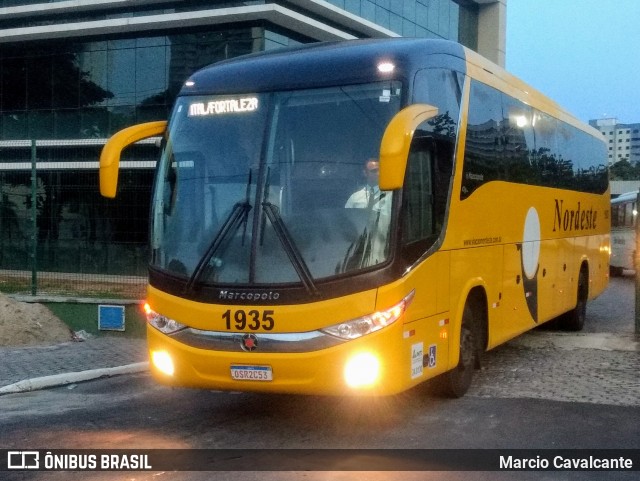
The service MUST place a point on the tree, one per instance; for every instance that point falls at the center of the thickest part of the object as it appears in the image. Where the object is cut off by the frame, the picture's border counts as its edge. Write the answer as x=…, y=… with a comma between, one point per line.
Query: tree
x=623, y=170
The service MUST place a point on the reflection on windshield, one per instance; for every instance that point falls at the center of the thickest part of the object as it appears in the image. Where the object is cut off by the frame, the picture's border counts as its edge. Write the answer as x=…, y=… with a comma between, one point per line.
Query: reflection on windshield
x=254, y=189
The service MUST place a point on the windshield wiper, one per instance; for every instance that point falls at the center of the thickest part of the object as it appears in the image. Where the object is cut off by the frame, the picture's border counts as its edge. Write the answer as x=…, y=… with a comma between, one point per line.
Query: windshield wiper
x=290, y=247
x=237, y=217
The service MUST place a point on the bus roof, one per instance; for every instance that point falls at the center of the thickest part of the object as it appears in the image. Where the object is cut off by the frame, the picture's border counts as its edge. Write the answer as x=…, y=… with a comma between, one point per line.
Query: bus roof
x=484, y=70
x=626, y=197
x=324, y=64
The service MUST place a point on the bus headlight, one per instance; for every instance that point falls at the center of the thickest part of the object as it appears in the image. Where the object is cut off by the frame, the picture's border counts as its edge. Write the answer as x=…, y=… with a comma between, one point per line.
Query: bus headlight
x=160, y=322
x=367, y=324
x=362, y=370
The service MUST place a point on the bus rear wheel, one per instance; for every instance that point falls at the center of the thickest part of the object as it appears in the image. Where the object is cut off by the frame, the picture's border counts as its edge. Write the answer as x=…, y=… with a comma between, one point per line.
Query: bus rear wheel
x=456, y=383
x=574, y=319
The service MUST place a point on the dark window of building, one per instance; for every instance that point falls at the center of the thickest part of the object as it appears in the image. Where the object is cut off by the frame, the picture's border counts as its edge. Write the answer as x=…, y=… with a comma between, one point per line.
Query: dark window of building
x=14, y=84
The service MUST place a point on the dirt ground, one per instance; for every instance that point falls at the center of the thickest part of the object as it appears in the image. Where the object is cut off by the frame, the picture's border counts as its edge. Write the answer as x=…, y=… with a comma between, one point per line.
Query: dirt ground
x=25, y=324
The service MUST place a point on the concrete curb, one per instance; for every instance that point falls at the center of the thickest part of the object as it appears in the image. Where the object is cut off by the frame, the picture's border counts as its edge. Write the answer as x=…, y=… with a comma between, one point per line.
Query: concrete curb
x=71, y=378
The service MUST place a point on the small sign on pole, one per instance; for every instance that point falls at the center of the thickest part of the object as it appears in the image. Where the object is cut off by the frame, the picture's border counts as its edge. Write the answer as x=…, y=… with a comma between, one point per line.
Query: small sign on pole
x=110, y=318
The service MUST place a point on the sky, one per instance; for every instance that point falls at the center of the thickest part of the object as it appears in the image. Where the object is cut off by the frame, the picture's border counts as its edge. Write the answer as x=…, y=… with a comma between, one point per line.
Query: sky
x=584, y=54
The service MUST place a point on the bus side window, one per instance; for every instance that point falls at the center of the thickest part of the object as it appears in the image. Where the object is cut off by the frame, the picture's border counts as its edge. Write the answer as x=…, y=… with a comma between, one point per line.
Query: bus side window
x=620, y=221
x=628, y=214
x=426, y=189
x=614, y=216
x=418, y=196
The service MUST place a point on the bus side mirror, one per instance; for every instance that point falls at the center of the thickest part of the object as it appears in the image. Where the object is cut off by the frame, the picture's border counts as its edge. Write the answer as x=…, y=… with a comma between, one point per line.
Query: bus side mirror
x=396, y=142
x=110, y=155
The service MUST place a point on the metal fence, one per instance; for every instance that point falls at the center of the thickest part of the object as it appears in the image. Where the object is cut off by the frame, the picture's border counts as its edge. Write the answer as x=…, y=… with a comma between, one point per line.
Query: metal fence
x=58, y=236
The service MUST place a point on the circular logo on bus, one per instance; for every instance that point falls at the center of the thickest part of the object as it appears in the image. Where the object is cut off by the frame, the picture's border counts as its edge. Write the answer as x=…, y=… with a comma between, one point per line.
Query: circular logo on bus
x=249, y=342
x=531, y=243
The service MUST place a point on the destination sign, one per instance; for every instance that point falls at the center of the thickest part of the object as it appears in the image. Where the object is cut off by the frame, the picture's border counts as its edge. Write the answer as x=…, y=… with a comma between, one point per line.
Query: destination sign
x=221, y=107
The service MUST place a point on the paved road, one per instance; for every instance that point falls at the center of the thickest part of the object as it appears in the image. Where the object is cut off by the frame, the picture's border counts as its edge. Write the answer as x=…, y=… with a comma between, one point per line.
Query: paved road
x=133, y=412
x=614, y=310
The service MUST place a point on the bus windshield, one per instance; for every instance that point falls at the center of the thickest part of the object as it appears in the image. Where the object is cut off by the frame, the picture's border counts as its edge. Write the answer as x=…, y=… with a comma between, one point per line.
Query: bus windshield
x=275, y=187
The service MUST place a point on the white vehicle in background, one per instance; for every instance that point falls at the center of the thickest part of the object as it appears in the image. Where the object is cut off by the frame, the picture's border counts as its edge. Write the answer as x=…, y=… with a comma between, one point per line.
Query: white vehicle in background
x=624, y=216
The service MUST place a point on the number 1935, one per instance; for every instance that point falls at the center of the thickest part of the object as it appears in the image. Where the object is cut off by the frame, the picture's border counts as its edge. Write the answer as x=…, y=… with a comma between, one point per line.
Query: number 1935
x=253, y=320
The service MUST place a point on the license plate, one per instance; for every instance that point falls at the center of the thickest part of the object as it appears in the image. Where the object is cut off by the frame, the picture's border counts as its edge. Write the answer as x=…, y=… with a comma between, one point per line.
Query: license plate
x=251, y=373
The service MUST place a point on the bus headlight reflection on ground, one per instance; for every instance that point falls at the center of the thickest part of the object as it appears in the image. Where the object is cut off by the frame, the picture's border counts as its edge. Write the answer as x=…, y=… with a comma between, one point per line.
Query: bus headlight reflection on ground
x=362, y=370
x=162, y=362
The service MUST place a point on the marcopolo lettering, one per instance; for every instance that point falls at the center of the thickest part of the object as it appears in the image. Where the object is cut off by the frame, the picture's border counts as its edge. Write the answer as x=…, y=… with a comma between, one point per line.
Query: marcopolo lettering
x=249, y=296
x=578, y=219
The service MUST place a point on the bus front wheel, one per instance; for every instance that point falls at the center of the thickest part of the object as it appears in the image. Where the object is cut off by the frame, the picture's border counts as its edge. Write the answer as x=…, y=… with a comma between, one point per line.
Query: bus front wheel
x=456, y=383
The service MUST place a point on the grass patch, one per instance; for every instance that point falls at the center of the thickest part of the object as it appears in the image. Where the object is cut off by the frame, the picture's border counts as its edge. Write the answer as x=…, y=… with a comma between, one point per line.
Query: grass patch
x=85, y=317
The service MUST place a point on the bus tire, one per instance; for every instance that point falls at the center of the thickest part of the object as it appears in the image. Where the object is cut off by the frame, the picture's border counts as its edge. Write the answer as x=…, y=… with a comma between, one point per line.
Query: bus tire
x=455, y=383
x=574, y=319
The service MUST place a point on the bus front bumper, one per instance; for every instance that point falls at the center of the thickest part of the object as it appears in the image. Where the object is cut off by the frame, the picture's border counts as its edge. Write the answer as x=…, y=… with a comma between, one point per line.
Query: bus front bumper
x=371, y=365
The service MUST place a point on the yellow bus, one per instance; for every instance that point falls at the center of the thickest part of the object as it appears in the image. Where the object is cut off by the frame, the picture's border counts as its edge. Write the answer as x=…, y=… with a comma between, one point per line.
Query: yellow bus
x=359, y=217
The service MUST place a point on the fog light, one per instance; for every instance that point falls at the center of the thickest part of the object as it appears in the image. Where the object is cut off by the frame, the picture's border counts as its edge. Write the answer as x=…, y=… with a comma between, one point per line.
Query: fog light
x=362, y=370
x=162, y=362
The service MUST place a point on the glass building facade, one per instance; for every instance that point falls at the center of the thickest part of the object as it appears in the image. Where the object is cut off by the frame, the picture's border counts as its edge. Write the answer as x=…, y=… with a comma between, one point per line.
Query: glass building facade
x=81, y=86
x=91, y=89
x=73, y=73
